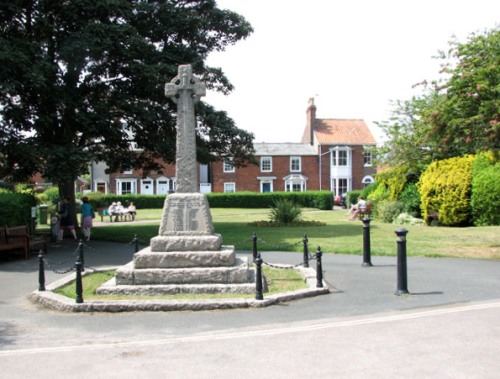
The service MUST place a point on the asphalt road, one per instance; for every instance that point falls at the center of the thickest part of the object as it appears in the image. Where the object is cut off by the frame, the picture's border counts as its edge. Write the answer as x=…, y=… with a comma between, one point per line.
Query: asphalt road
x=448, y=327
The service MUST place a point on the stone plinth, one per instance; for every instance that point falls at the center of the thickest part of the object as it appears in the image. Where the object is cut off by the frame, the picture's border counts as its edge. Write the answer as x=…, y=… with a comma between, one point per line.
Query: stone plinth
x=238, y=273
x=177, y=259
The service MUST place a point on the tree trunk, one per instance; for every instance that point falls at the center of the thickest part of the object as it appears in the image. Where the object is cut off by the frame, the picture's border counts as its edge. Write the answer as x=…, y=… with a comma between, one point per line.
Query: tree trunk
x=67, y=189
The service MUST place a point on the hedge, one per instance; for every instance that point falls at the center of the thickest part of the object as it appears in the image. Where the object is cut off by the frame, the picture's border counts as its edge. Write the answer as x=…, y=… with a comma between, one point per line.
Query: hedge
x=485, y=200
x=309, y=199
x=15, y=208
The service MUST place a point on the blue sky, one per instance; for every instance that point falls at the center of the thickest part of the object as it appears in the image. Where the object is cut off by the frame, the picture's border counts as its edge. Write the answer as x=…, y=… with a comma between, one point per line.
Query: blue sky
x=352, y=57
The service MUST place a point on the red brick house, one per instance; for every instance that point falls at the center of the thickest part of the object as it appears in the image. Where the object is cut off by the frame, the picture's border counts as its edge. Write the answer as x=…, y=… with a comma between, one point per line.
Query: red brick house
x=334, y=155
x=282, y=167
x=344, y=148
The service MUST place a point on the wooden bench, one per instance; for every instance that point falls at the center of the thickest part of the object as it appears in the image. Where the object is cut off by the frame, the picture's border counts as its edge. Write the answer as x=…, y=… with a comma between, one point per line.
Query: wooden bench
x=365, y=212
x=18, y=237
x=103, y=212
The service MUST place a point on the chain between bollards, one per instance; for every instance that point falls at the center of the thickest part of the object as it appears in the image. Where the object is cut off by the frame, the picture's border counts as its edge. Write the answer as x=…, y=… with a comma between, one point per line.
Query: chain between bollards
x=306, y=251
x=402, y=288
x=258, y=278
x=41, y=272
x=319, y=269
x=79, y=286
x=366, y=242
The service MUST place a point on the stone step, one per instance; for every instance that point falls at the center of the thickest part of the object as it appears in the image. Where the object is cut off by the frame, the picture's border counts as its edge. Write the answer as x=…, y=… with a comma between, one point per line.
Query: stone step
x=179, y=259
x=110, y=288
x=238, y=273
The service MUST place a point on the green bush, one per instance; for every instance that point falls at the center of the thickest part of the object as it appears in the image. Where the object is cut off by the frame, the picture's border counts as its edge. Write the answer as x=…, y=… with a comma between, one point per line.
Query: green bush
x=309, y=199
x=445, y=188
x=410, y=197
x=369, y=189
x=100, y=200
x=388, y=211
x=285, y=212
x=15, y=208
x=485, y=199
x=352, y=197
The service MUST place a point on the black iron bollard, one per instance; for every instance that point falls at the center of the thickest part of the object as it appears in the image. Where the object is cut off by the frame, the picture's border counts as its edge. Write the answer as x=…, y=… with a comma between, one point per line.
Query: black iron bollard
x=319, y=269
x=306, y=251
x=258, y=278
x=41, y=272
x=80, y=254
x=254, y=246
x=366, y=242
x=402, y=271
x=79, y=286
x=136, y=243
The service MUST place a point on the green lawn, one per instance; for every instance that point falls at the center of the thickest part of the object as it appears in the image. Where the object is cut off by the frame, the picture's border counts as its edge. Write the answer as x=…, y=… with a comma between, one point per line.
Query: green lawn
x=337, y=236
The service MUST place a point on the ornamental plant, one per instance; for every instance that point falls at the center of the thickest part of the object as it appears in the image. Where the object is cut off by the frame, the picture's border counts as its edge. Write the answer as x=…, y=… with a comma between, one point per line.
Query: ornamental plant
x=445, y=188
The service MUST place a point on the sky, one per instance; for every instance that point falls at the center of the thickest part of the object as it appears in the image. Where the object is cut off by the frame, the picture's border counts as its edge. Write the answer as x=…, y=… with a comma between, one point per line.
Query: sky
x=352, y=57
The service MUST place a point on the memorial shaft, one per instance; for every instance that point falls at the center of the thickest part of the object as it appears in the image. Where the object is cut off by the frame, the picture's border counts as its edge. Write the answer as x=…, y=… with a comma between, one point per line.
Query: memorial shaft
x=185, y=90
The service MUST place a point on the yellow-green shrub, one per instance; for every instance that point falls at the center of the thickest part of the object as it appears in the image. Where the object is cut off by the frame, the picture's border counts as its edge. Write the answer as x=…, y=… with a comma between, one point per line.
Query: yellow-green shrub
x=445, y=188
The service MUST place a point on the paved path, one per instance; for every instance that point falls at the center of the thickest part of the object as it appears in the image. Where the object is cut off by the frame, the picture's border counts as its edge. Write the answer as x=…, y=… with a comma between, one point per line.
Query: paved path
x=447, y=328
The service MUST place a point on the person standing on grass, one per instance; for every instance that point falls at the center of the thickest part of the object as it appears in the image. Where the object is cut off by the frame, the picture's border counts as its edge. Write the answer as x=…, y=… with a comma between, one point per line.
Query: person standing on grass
x=87, y=216
x=67, y=220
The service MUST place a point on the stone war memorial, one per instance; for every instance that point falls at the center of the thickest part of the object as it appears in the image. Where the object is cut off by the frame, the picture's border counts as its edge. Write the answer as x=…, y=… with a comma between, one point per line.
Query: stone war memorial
x=186, y=256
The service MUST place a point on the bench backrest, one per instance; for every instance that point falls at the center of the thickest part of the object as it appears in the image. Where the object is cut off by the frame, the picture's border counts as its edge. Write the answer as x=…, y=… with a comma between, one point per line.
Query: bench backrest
x=17, y=234
x=3, y=236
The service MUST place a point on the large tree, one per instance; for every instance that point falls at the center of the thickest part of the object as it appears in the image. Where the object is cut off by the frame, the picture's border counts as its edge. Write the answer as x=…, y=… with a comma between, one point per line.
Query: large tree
x=456, y=115
x=83, y=79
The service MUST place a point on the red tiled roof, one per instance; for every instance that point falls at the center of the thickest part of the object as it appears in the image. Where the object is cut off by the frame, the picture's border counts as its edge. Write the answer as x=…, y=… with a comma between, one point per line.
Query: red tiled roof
x=343, y=131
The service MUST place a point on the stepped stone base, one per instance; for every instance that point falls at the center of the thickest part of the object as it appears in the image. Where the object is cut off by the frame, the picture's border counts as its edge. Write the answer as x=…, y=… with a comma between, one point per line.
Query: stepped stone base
x=110, y=288
x=147, y=258
x=129, y=275
x=171, y=272
x=186, y=242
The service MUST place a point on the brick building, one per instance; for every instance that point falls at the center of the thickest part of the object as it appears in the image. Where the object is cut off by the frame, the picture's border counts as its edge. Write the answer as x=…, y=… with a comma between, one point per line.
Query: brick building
x=334, y=155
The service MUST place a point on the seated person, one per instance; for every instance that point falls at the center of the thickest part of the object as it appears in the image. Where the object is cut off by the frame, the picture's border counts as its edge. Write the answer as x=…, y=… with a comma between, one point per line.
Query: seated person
x=359, y=207
x=113, y=211
x=132, y=211
x=122, y=211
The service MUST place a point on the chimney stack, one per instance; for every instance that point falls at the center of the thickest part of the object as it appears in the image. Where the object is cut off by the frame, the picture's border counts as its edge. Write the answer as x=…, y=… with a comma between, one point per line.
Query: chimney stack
x=311, y=117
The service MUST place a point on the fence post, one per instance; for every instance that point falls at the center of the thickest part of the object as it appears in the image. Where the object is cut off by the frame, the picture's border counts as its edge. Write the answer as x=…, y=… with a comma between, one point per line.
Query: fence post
x=319, y=269
x=79, y=286
x=306, y=251
x=80, y=254
x=366, y=242
x=254, y=246
x=41, y=272
x=136, y=243
x=258, y=279
x=402, y=288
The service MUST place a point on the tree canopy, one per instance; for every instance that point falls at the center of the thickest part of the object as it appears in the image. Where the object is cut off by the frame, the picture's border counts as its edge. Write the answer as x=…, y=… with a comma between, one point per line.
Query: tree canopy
x=454, y=116
x=81, y=80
